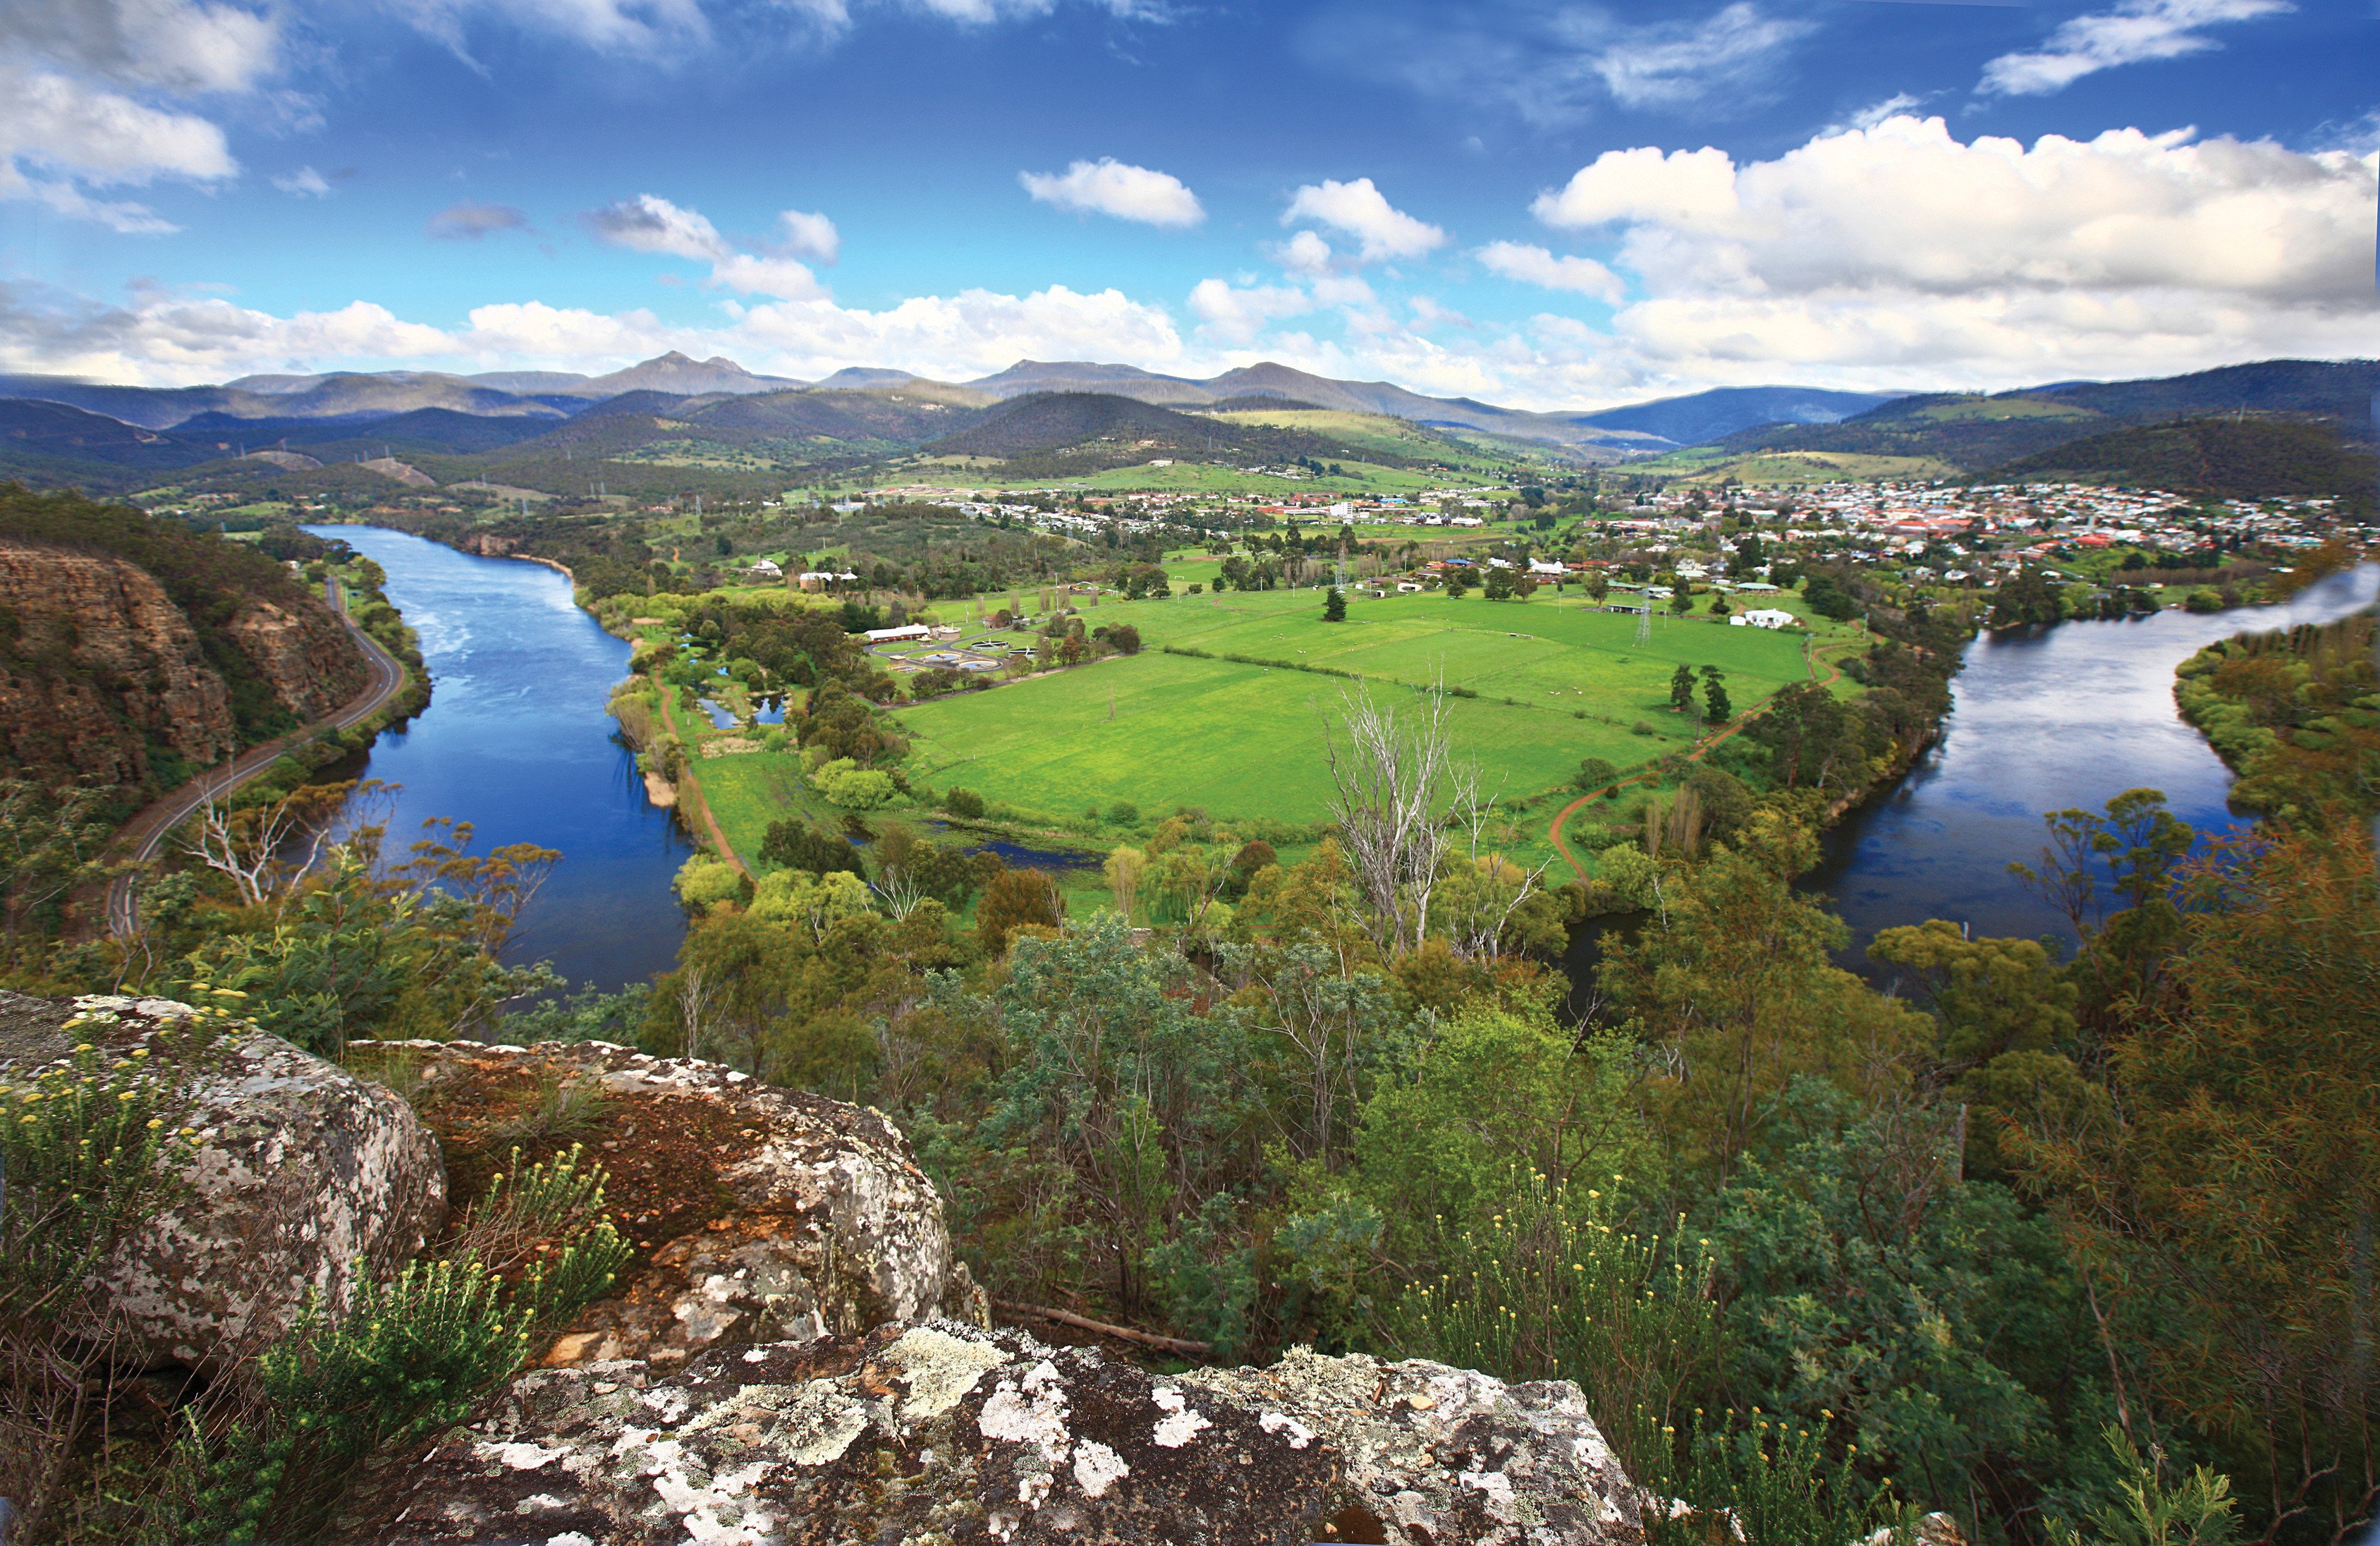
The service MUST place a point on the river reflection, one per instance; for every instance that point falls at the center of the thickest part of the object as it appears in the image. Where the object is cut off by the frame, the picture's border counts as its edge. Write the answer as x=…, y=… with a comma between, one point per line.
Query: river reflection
x=516, y=741
x=2067, y=717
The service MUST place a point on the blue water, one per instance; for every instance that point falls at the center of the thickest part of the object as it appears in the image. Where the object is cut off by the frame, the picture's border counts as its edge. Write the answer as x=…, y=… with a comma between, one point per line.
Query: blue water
x=2067, y=717
x=516, y=740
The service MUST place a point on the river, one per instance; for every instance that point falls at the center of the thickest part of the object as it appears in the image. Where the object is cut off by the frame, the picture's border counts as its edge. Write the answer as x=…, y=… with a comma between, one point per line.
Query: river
x=2039, y=721
x=516, y=741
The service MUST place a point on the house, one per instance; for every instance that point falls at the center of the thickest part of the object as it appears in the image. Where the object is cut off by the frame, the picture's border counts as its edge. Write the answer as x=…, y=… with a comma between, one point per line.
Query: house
x=765, y=569
x=894, y=636
x=1546, y=566
x=819, y=580
x=1763, y=617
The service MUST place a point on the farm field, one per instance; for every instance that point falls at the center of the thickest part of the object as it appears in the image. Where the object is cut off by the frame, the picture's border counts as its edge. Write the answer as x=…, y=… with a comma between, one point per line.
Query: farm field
x=1247, y=740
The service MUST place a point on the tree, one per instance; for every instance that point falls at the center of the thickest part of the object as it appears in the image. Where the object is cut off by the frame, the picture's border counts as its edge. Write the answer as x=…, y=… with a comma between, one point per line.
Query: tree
x=1594, y=772
x=1681, y=688
x=1681, y=600
x=1015, y=899
x=796, y=844
x=1829, y=600
x=1334, y=606
x=1597, y=585
x=1716, y=707
x=2223, y=1199
x=1499, y=584
x=2026, y=597
x=1386, y=784
x=1811, y=737
x=1457, y=582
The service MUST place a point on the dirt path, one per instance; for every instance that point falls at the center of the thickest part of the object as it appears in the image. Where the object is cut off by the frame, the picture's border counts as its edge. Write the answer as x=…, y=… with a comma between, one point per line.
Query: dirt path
x=141, y=837
x=1554, y=832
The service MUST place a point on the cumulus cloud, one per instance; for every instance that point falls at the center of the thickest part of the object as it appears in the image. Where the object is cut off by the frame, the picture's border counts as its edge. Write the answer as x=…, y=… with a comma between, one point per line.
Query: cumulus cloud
x=2133, y=32
x=809, y=235
x=1110, y=187
x=469, y=220
x=305, y=182
x=161, y=338
x=98, y=92
x=1534, y=265
x=781, y=277
x=1359, y=210
x=1237, y=315
x=648, y=222
x=1305, y=253
x=1898, y=255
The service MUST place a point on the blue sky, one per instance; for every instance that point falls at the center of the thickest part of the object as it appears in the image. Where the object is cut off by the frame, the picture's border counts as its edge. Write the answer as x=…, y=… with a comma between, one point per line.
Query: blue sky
x=1540, y=204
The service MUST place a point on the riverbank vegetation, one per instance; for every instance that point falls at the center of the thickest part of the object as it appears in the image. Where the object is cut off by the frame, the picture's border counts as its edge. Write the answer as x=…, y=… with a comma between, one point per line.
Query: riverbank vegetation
x=2295, y=713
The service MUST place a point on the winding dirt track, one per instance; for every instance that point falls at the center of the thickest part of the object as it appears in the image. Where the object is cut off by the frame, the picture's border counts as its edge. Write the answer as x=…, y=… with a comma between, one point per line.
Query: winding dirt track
x=1834, y=674
x=142, y=836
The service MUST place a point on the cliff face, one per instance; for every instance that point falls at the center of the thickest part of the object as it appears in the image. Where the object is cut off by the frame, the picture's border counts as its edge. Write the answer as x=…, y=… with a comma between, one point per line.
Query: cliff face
x=304, y=653
x=97, y=666
x=100, y=662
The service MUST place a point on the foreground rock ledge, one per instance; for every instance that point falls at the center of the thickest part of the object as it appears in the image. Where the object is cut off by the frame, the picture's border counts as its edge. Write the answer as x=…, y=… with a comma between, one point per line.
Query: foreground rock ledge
x=943, y=1434
x=820, y=1222
x=297, y=1172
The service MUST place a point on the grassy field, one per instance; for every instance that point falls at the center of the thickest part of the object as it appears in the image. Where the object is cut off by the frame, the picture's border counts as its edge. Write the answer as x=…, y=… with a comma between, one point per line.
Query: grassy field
x=1247, y=740
x=1769, y=467
x=1183, y=477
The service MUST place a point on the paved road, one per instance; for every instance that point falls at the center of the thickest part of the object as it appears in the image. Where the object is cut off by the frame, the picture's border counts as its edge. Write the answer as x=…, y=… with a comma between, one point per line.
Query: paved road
x=145, y=833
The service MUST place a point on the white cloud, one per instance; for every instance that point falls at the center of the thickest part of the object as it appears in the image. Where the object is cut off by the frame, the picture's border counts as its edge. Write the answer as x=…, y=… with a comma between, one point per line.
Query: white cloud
x=1901, y=256
x=1343, y=290
x=809, y=235
x=648, y=222
x=1359, y=210
x=93, y=94
x=782, y=277
x=1305, y=253
x=668, y=30
x=1643, y=184
x=1237, y=315
x=1534, y=265
x=2133, y=32
x=1555, y=62
x=1111, y=187
x=305, y=182
x=1896, y=105
x=1668, y=65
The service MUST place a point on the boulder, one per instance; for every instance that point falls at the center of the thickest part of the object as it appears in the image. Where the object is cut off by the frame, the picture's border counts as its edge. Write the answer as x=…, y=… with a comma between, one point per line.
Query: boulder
x=948, y=1434
x=756, y=1214
x=296, y=1171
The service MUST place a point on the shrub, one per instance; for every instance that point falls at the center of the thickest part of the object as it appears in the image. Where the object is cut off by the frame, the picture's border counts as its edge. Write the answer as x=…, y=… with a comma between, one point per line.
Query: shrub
x=1643, y=728
x=858, y=788
x=1594, y=772
x=705, y=880
x=966, y=804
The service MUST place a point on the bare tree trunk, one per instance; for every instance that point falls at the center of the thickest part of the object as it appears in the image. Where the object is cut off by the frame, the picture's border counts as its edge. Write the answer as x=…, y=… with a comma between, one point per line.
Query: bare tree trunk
x=1386, y=780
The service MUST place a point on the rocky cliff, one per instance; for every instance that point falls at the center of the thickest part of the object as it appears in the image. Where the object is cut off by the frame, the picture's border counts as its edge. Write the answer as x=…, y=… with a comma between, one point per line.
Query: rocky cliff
x=134, y=652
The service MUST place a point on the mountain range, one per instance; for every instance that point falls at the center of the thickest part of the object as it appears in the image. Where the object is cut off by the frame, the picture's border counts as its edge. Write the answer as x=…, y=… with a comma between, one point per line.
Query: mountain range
x=359, y=397
x=673, y=422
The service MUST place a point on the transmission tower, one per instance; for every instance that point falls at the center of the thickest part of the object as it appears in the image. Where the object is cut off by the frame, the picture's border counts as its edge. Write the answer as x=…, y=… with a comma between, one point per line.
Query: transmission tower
x=1645, y=623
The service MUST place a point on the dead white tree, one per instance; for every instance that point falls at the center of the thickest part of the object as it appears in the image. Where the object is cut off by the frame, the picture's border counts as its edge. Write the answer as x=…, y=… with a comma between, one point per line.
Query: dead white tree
x=264, y=849
x=1387, y=782
x=695, y=994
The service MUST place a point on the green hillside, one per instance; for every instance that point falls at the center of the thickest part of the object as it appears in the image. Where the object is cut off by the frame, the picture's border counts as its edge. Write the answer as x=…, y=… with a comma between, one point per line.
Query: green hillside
x=2227, y=458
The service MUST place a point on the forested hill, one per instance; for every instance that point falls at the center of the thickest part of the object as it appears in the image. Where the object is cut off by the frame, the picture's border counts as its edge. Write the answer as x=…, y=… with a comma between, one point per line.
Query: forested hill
x=134, y=650
x=2229, y=458
x=1076, y=432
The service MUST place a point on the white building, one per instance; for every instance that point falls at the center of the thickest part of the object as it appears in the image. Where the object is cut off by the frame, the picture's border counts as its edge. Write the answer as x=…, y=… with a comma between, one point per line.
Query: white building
x=1765, y=619
x=894, y=636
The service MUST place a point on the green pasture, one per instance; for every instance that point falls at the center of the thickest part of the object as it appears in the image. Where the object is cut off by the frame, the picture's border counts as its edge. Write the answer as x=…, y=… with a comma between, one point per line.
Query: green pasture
x=1247, y=740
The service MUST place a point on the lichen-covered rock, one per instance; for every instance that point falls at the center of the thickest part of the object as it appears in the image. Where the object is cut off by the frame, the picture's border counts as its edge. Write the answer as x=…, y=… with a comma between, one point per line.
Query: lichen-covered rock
x=949, y=1435
x=759, y=1214
x=294, y=1173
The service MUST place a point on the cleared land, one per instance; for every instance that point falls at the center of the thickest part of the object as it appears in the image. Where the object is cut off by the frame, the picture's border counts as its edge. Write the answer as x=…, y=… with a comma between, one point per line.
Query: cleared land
x=1247, y=740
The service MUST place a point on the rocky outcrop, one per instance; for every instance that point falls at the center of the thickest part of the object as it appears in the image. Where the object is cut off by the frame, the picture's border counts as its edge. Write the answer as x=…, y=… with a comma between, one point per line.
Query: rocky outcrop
x=304, y=653
x=947, y=1434
x=98, y=665
x=757, y=1214
x=291, y=1175
x=96, y=662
